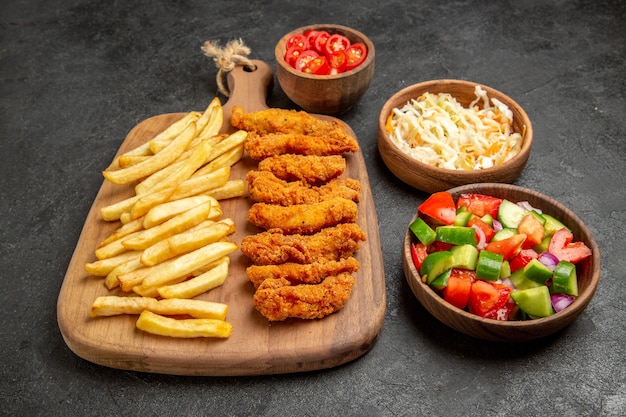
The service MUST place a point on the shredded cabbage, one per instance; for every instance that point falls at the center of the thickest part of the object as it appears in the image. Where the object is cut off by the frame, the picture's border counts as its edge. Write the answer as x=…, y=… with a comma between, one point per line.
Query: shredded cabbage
x=437, y=130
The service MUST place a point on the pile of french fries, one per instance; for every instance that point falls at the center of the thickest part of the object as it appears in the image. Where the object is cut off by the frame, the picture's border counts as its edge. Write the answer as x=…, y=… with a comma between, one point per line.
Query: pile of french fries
x=172, y=244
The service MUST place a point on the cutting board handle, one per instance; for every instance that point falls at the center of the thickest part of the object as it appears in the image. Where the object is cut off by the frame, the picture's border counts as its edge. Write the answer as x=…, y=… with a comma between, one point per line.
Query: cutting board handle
x=248, y=88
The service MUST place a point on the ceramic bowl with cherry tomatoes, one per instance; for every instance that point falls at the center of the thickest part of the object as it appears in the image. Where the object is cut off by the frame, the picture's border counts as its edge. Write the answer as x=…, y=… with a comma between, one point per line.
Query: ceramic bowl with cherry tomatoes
x=325, y=68
x=526, y=304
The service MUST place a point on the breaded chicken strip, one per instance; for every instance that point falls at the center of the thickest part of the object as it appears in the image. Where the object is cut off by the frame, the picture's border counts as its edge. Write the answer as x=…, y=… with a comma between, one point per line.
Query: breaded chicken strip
x=312, y=273
x=312, y=169
x=265, y=187
x=277, y=299
x=330, y=244
x=263, y=146
x=303, y=218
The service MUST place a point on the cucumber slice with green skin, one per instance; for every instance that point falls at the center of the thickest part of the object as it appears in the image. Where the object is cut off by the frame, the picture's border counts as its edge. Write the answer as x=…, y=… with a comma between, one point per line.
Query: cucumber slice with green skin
x=534, y=301
x=462, y=218
x=564, y=279
x=544, y=245
x=487, y=218
x=422, y=231
x=503, y=234
x=456, y=235
x=436, y=264
x=441, y=281
x=510, y=214
x=505, y=269
x=489, y=265
x=537, y=271
x=552, y=224
x=465, y=256
x=521, y=282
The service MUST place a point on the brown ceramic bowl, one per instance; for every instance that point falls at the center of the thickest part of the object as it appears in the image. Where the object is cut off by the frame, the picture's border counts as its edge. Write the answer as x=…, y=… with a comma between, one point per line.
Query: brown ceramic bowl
x=588, y=272
x=430, y=178
x=326, y=94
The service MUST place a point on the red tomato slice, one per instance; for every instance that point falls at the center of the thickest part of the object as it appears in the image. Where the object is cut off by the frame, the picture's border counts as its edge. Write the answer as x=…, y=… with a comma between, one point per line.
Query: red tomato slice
x=304, y=58
x=297, y=40
x=337, y=62
x=310, y=36
x=418, y=254
x=561, y=247
x=487, y=230
x=508, y=247
x=489, y=300
x=439, y=207
x=521, y=259
x=480, y=204
x=457, y=292
x=533, y=229
x=292, y=54
x=318, y=66
x=320, y=41
x=336, y=42
x=355, y=55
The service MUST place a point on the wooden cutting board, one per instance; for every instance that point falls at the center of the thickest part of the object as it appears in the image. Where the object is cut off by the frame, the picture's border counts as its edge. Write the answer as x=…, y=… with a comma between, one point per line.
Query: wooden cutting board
x=256, y=346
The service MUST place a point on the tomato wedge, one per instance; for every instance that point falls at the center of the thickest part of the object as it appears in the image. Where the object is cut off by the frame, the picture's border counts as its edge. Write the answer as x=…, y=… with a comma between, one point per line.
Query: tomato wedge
x=304, y=58
x=457, y=292
x=487, y=230
x=479, y=204
x=318, y=66
x=355, y=55
x=336, y=42
x=508, y=247
x=489, y=300
x=521, y=259
x=439, y=207
x=564, y=250
x=533, y=229
x=418, y=254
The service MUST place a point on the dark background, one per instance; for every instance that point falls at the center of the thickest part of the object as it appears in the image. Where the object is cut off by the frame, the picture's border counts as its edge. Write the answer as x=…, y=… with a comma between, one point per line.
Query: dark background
x=76, y=76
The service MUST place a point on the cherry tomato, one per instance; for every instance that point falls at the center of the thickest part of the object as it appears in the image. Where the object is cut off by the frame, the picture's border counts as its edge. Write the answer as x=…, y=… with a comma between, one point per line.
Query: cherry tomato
x=292, y=55
x=310, y=36
x=337, y=62
x=337, y=42
x=320, y=41
x=304, y=58
x=355, y=55
x=318, y=66
x=297, y=40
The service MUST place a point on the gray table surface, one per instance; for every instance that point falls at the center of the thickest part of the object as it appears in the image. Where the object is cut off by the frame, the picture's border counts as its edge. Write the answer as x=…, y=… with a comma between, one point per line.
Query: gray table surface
x=77, y=75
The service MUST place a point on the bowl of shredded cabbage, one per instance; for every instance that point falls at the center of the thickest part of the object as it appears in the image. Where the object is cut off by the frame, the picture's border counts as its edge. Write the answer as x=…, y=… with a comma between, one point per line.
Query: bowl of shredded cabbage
x=440, y=134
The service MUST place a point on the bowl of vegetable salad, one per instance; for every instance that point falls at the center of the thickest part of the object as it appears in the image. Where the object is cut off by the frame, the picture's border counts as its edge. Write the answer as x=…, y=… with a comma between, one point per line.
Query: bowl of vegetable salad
x=440, y=134
x=500, y=262
x=325, y=68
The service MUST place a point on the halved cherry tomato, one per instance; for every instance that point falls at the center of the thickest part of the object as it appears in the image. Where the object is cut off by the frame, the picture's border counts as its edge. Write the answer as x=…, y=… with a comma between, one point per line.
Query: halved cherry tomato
x=292, y=54
x=487, y=230
x=418, y=254
x=337, y=62
x=564, y=250
x=457, y=292
x=318, y=66
x=533, y=229
x=489, y=300
x=508, y=247
x=439, y=207
x=336, y=42
x=297, y=40
x=320, y=41
x=304, y=58
x=480, y=204
x=355, y=55
x=310, y=36
x=521, y=259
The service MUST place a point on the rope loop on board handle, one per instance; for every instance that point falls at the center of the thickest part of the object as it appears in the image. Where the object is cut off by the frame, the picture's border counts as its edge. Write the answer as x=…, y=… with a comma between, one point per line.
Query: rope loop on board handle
x=227, y=58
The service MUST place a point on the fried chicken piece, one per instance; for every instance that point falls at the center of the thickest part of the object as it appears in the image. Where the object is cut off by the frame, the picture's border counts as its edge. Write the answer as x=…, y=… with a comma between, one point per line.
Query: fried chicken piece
x=312, y=169
x=273, y=247
x=312, y=273
x=260, y=147
x=265, y=187
x=303, y=218
x=269, y=121
x=277, y=299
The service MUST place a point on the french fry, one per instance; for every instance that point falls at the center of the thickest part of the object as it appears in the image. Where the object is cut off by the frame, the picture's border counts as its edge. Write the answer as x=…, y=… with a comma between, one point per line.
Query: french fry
x=211, y=121
x=114, y=211
x=197, y=285
x=111, y=280
x=128, y=160
x=116, y=247
x=156, y=178
x=160, y=141
x=112, y=305
x=101, y=268
x=233, y=188
x=176, y=224
x=200, y=185
x=186, y=242
x=166, y=211
x=124, y=230
x=188, y=328
x=169, y=154
x=227, y=144
x=187, y=263
x=227, y=159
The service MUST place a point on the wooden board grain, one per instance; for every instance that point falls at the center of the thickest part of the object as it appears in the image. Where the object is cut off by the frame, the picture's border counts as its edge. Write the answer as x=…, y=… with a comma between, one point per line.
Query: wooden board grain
x=256, y=346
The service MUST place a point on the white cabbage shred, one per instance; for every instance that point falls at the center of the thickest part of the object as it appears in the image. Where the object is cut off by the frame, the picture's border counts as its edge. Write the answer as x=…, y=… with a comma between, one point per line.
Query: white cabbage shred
x=437, y=130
